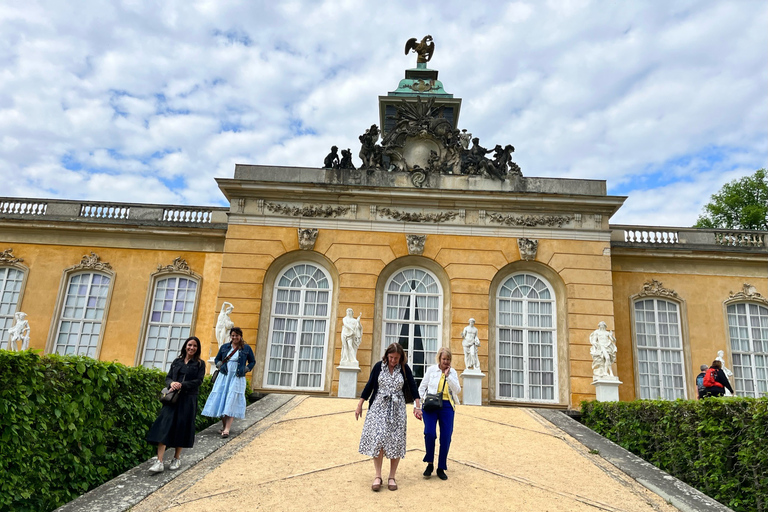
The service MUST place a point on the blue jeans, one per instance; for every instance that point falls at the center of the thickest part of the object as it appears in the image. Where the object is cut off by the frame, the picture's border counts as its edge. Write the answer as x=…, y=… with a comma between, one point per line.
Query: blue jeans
x=443, y=417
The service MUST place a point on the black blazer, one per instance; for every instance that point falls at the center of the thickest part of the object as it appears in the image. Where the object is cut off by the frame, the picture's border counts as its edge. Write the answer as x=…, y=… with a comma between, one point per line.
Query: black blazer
x=372, y=387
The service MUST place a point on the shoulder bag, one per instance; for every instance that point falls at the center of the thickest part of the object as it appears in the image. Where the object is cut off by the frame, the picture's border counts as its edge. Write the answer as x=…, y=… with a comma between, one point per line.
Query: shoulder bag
x=171, y=396
x=222, y=363
x=434, y=401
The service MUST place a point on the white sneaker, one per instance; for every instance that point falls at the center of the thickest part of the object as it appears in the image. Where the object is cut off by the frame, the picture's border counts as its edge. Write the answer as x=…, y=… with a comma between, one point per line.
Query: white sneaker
x=175, y=464
x=157, y=467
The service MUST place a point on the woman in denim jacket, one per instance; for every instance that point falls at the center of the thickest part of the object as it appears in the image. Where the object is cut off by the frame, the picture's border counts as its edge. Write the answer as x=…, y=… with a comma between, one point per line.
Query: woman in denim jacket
x=227, y=398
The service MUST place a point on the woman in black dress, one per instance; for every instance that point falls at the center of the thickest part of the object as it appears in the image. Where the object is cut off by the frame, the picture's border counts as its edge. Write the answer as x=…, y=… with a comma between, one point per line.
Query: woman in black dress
x=175, y=425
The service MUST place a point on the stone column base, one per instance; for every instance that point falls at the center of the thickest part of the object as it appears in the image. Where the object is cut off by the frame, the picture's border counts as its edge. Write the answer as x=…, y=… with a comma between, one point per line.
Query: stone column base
x=607, y=389
x=211, y=366
x=472, y=389
x=348, y=381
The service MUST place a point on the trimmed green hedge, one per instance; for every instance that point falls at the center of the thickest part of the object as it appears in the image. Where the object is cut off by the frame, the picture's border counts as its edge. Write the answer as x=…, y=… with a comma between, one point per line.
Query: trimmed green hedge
x=69, y=424
x=719, y=446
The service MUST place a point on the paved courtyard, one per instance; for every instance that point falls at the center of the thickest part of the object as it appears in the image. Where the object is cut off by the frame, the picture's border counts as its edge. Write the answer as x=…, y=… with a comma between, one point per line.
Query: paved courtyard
x=304, y=456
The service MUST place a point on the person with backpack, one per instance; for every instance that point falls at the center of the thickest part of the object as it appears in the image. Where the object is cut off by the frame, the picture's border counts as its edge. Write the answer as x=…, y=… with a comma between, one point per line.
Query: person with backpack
x=700, y=381
x=715, y=382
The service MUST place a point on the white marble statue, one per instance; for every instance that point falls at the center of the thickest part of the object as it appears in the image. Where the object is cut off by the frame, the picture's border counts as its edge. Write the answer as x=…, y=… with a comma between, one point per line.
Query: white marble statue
x=470, y=343
x=224, y=324
x=19, y=332
x=728, y=373
x=603, y=351
x=351, y=336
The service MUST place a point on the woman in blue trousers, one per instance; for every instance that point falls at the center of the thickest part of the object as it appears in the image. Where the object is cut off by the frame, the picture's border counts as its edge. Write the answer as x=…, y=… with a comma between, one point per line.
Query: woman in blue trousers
x=439, y=378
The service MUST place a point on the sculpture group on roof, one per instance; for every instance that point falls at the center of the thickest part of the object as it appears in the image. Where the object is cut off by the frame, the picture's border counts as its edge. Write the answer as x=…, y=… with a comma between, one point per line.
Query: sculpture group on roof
x=450, y=152
x=424, y=142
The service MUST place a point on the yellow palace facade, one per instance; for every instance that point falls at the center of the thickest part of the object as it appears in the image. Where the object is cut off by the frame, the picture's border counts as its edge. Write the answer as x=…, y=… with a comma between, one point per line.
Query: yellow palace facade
x=424, y=237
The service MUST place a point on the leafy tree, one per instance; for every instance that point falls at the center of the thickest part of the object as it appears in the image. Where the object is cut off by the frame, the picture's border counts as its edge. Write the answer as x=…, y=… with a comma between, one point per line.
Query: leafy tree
x=740, y=204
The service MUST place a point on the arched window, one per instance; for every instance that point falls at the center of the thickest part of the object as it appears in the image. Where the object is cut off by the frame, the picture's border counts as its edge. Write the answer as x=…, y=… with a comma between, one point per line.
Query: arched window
x=526, y=354
x=82, y=312
x=298, y=329
x=748, y=332
x=11, y=280
x=659, y=345
x=170, y=320
x=413, y=303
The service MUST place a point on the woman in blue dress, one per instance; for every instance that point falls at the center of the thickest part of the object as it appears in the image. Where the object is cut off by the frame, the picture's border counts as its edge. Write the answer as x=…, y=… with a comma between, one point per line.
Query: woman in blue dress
x=227, y=398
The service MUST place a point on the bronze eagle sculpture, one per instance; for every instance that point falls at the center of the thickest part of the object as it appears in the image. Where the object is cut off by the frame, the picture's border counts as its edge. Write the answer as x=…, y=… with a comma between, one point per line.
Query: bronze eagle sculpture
x=424, y=49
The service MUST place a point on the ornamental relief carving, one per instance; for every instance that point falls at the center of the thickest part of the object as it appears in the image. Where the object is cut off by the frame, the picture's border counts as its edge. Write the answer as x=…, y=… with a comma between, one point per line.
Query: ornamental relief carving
x=529, y=220
x=528, y=248
x=92, y=262
x=416, y=244
x=307, y=211
x=179, y=265
x=6, y=256
x=307, y=238
x=654, y=288
x=748, y=292
x=416, y=216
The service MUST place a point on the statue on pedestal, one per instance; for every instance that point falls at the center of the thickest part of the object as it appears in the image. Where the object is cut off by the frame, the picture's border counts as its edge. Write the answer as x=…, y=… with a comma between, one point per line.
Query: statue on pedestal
x=603, y=352
x=224, y=324
x=470, y=343
x=351, y=336
x=19, y=332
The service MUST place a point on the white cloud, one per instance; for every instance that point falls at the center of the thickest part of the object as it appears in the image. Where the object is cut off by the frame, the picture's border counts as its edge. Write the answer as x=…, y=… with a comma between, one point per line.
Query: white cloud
x=665, y=101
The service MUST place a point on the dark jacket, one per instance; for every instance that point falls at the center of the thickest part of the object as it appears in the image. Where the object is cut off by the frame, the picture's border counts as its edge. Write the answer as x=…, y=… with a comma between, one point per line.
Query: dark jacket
x=246, y=356
x=190, y=384
x=372, y=387
x=721, y=379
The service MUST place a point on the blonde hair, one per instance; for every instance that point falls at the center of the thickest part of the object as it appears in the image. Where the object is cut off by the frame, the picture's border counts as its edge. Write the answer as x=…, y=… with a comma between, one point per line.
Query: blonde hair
x=441, y=351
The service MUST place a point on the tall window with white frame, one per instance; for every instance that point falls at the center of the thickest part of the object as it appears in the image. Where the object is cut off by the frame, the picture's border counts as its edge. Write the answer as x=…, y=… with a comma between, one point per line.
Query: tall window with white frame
x=748, y=331
x=10, y=288
x=526, y=340
x=660, y=361
x=170, y=320
x=298, y=331
x=82, y=314
x=413, y=302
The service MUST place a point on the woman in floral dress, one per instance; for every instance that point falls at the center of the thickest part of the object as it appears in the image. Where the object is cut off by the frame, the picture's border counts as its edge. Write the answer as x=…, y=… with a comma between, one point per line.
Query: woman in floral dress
x=384, y=427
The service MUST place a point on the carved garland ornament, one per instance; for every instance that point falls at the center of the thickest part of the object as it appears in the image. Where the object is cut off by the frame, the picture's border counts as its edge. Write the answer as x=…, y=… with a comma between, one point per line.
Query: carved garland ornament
x=179, y=265
x=530, y=220
x=418, y=217
x=92, y=262
x=307, y=211
x=6, y=256
x=653, y=288
x=748, y=292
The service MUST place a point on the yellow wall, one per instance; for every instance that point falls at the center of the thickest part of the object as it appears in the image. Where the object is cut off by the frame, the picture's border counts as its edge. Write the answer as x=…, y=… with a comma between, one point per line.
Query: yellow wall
x=471, y=263
x=703, y=285
x=132, y=268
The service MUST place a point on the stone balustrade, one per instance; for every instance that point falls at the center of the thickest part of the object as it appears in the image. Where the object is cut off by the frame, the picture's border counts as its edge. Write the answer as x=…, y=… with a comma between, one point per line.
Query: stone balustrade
x=645, y=236
x=121, y=213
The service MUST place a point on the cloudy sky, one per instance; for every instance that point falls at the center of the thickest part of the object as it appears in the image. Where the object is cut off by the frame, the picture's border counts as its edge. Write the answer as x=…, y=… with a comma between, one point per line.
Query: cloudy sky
x=131, y=100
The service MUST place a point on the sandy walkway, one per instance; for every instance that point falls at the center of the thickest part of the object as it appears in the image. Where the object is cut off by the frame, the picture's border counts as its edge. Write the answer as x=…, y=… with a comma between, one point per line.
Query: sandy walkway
x=304, y=457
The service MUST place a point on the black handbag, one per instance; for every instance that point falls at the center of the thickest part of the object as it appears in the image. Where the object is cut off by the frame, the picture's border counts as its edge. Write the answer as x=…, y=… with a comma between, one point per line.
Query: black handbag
x=434, y=401
x=171, y=396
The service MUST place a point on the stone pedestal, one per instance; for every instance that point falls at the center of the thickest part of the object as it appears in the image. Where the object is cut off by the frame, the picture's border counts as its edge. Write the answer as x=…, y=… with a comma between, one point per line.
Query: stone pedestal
x=211, y=366
x=607, y=389
x=472, y=387
x=348, y=381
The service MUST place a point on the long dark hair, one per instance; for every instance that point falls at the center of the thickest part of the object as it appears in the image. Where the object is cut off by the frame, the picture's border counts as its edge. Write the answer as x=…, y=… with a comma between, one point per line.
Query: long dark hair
x=394, y=347
x=183, y=353
x=239, y=331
